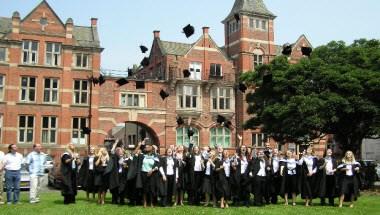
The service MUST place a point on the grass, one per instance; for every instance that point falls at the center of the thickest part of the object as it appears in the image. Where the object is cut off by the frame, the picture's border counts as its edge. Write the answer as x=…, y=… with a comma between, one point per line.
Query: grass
x=52, y=203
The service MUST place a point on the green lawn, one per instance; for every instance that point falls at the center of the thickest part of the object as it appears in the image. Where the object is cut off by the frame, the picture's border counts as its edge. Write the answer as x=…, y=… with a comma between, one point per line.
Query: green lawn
x=52, y=203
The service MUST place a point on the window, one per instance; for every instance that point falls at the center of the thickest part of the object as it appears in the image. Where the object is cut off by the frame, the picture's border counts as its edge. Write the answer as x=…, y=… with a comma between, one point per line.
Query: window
x=80, y=91
x=259, y=139
x=25, y=129
x=1, y=127
x=257, y=24
x=3, y=54
x=215, y=70
x=195, y=69
x=258, y=60
x=29, y=52
x=51, y=90
x=251, y=23
x=132, y=100
x=220, y=136
x=78, y=136
x=233, y=27
x=53, y=54
x=132, y=139
x=28, y=89
x=2, y=83
x=49, y=130
x=183, y=137
x=188, y=97
x=82, y=60
x=264, y=25
x=221, y=98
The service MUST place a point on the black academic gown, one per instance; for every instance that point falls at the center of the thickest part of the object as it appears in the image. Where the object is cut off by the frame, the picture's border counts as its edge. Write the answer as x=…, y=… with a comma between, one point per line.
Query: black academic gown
x=308, y=183
x=324, y=190
x=223, y=183
x=86, y=176
x=344, y=182
x=163, y=185
x=69, y=176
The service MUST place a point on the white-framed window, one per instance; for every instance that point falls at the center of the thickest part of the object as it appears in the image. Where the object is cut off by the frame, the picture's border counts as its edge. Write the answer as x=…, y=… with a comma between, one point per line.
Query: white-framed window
x=220, y=136
x=2, y=87
x=216, y=70
x=259, y=139
x=51, y=90
x=188, y=97
x=264, y=25
x=233, y=26
x=25, y=129
x=3, y=54
x=195, y=69
x=258, y=24
x=77, y=135
x=28, y=89
x=82, y=60
x=221, y=98
x=1, y=128
x=251, y=23
x=132, y=100
x=80, y=91
x=258, y=59
x=29, y=52
x=49, y=130
x=53, y=54
x=183, y=138
x=132, y=139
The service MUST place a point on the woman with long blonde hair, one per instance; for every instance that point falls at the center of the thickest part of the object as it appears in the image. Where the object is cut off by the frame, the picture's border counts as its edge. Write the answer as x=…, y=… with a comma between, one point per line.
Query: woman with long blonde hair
x=349, y=183
x=69, y=167
x=102, y=160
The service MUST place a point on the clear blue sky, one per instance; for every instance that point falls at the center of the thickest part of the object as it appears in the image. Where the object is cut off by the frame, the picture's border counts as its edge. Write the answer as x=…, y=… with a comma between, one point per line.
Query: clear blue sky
x=125, y=24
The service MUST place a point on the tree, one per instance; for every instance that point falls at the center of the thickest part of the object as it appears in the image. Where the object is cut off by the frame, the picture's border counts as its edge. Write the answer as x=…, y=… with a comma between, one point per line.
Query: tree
x=335, y=91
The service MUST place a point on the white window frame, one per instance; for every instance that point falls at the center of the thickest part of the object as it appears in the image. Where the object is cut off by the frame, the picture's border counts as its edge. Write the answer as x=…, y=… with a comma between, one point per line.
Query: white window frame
x=141, y=99
x=181, y=132
x=26, y=129
x=213, y=71
x=183, y=93
x=49, y=129
x=259, y=139
x=29, y=56
x=54, y=55
x=195, y=69
x=4, y=54
x=81, y=139
x=1, y=127
x=81, y=92
x=82, y=64
x=251, y=23
x=27, y=89
x=225, y=135
x=219, y=95
x=2, y=87
x=51, y=91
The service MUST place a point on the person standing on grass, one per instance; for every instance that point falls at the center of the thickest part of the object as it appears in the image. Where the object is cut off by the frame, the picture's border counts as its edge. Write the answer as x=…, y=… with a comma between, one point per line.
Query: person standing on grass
x=69, y=167
x=1, y=177
x=327, y=187
x=309, y=167
x=349, y=183
x=87, y=174
x=12, y=163
x=223, y=183
x=288, y=173
x=36, y=162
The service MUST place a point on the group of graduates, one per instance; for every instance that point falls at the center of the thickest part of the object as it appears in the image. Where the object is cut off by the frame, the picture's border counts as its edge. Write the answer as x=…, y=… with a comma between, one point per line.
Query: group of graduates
x=215, y=177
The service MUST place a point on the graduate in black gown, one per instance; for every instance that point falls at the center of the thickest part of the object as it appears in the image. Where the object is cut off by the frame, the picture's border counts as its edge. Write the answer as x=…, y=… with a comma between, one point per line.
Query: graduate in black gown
x=196, y=167
x=103, y=168
x=208, y=183
x=223, y=179
x=133, y=194
x=289, y=177
x=87, y=174
x=69, y=167
x=328, y=180
x=259, y=171
x=308, y=179
x=118, y=176
x=349, y=182
x=180, y=185
x=169, y=177
x=274, y=177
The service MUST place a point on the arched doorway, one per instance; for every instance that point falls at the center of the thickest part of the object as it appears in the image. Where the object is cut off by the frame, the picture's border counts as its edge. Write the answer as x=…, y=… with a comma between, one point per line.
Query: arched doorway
x=131, y=133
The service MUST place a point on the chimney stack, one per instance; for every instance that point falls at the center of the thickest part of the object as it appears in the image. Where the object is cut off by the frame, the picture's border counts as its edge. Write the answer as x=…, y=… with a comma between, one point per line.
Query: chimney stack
x=156, y=34
x=94, y=22
x=16, y=22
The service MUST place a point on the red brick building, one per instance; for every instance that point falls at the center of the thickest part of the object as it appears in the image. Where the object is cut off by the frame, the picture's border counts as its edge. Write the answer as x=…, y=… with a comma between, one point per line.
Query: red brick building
x=45, y=66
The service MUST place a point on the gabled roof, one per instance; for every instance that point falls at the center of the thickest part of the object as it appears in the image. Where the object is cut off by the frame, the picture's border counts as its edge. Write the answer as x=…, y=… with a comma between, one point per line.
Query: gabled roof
x=86, y=36
x=174, y=48
x=250, y=7
x=50, y=8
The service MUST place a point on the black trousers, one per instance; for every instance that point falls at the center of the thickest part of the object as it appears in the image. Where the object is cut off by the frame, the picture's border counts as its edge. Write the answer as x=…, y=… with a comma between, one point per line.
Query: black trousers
x=196, y=188
x=330, y=187
x=68, y=199
x=167, y=200
x=117, y=196
x=276, y=186
x=259, y=190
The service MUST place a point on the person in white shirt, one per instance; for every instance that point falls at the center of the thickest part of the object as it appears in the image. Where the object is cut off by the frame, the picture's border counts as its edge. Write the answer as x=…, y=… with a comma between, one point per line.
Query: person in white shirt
x=328, y=179
x=223, y=183
x=169, y=177
x=308, y=176
x=1, y=176
x=36, y=161
x=349, y=184
x=12, y=164
x=260, y=170
x=288, y=172
x=87, y=174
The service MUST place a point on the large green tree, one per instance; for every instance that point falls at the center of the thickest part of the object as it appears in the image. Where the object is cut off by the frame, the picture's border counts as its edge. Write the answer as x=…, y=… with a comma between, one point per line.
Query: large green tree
x=335, y=91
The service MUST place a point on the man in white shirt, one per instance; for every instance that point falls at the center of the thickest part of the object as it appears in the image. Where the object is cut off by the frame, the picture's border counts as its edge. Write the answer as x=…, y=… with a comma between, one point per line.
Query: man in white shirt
x=36, y=162
x=259, y=172
x=12, y=164
x=1, y=177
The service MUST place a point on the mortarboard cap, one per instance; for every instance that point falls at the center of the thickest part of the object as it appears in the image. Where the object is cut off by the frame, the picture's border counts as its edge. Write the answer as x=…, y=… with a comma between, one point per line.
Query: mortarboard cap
x=220, y=119
x=122, y=81
x=130, y=72
x=306, y=51
x=242, y=87
x=180, y=121
x=190, y=132
x=145, y=62
x=101, y=80
x=140, y=84
x=86, y=130
x=186, y=73
x=188, y=30
x=164, y=94
x=237, y=17
x=143, y=49
x=286, y=49
x=227, y=124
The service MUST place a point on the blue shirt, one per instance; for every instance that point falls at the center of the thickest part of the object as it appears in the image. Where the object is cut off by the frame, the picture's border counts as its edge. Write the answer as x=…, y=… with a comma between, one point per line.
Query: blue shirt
x=36, y=162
